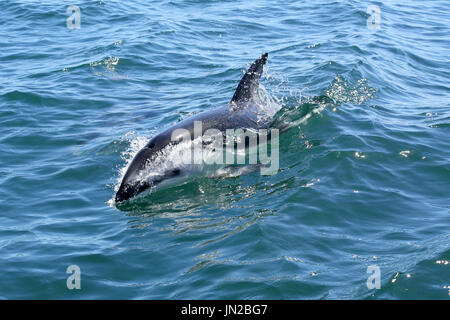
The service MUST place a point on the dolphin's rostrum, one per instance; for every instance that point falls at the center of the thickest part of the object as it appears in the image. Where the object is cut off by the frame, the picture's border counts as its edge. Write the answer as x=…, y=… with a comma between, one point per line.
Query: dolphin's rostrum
x=243, y=111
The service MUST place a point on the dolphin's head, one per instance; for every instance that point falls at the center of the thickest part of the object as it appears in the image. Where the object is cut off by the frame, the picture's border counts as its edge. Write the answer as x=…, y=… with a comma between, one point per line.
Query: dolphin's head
x=131, y=184
x=144, y=172
x=130, y=190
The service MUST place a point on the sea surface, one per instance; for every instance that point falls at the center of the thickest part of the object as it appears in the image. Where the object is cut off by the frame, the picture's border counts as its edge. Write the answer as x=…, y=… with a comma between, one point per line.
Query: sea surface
x=362, y=193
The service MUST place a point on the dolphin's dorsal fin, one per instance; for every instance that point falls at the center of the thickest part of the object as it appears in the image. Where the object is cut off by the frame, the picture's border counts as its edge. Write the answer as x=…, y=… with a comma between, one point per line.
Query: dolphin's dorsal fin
x=248, y=87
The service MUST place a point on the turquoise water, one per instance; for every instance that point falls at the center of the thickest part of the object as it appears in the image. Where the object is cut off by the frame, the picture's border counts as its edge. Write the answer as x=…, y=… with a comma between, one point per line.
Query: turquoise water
x=364, y=174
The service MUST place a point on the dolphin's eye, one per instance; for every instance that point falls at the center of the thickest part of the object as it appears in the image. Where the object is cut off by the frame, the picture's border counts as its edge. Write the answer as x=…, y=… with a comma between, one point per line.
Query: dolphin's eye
x=151, y=145
x=175, y=172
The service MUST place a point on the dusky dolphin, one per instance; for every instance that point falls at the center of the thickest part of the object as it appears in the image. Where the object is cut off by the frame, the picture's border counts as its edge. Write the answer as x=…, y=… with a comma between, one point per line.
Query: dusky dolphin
x=243, y=111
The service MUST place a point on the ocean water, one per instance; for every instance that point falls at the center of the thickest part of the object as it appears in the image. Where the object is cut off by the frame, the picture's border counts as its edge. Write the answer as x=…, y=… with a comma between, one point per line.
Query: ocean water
x=364, y=173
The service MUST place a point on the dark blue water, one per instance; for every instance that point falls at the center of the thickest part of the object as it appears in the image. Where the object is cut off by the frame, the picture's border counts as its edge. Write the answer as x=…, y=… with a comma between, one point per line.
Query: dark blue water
x=364, y=177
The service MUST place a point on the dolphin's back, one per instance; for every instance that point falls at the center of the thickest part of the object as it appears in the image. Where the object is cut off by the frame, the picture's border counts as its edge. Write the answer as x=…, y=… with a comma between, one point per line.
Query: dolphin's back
x=241, y=112
x=221, y=118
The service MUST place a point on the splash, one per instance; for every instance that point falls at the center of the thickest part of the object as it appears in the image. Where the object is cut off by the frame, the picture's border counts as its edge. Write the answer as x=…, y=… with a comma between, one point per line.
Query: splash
x=298, y=109
x=341, y=91
x=109, y=63
x=136, y=143
x=270, y=105
x=107, y=67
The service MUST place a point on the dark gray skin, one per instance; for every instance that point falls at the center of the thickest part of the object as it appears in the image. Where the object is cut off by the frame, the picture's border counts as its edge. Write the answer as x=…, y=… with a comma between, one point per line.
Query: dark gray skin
x=239, y=113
